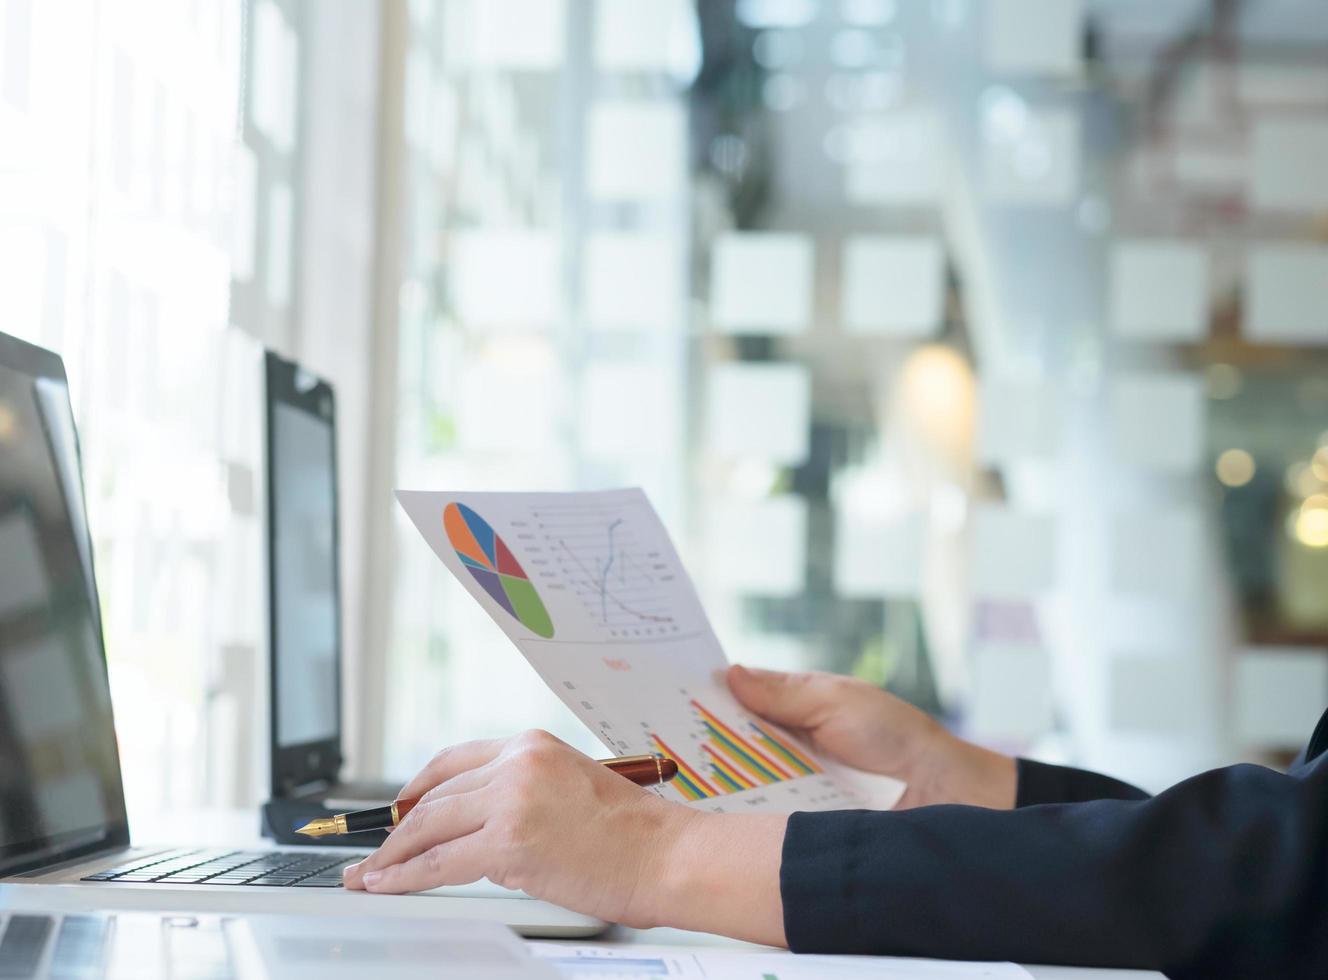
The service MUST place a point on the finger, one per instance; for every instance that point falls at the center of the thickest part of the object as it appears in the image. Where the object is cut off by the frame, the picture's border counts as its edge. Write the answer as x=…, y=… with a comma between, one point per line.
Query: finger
x=462, y=782
x=428, y=824
x=450, y=761
x=454, y=862
x=798, y=700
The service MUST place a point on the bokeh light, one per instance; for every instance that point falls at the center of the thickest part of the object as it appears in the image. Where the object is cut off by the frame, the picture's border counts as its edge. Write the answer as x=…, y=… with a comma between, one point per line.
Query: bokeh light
x=1235, y=468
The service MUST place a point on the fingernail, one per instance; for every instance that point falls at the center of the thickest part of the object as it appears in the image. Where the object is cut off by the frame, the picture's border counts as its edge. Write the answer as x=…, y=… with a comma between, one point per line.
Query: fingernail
x=350, y=867
x=372, y=878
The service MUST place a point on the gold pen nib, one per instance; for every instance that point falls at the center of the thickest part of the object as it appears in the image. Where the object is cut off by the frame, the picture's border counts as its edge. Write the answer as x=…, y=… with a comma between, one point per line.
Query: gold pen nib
x=319, y=828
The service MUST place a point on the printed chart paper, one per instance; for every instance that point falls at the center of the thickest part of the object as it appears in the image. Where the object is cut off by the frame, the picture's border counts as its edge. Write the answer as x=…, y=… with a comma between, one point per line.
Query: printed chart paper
x=591, y=590
x=601, y=961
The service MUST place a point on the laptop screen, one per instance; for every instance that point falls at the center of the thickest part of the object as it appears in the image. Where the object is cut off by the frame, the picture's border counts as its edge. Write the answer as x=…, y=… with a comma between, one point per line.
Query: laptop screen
x=304, y=610
x=60, y=789
x=304, y=575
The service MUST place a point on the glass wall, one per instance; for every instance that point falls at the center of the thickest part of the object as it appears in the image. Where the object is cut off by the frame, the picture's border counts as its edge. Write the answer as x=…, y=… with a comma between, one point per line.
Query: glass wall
x=166, y=211
x=977, y=349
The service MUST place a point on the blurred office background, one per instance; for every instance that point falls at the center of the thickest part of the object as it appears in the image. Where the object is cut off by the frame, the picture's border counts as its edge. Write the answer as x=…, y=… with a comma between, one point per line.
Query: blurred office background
x=978, y=348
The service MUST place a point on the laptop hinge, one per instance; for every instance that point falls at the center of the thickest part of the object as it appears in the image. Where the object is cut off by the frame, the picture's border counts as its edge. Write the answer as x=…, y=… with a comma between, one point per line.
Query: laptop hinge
x=98, y=855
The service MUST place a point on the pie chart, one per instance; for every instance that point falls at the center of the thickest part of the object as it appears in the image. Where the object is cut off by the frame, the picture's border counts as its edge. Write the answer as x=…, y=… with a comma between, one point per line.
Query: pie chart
x=487, y=557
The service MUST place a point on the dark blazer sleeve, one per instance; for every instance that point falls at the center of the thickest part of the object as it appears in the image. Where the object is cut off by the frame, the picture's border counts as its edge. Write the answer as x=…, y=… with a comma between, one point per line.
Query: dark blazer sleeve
x=1041, y=783
x=1223, y=875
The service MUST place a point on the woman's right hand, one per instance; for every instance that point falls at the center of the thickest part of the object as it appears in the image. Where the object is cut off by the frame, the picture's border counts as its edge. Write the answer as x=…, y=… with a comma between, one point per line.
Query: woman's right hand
x=862, y=726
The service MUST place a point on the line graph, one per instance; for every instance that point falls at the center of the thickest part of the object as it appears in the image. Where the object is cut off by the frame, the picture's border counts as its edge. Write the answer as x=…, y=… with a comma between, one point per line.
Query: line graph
x=624, y=585
x=607, y=564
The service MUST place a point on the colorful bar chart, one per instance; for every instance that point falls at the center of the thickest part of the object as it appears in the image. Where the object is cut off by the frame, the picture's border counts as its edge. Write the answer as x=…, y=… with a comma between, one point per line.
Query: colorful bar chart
x=731, y=761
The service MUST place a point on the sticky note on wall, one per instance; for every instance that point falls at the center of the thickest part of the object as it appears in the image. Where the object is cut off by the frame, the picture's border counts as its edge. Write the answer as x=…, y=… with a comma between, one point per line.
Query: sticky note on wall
x=1286, y=294
x=633, y=281
x=1279, y=694
x=761, y=411
x=761, y=282
x=636, y=150
x=515, y=35
x=1012, y=695
x=1289, y=156
x=1158, y=420
x=506, y=279
x=1038, y=37
x=892, y=285
x=877, y=558
x=1153, y=694
x=1017, y=420
x=1157, y=553
x=1013, y=554
x=1159, y=290
x=634, y=36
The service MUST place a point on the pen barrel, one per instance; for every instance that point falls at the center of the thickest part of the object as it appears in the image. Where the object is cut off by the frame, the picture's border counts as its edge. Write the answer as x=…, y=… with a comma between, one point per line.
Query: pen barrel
x=377, y=818
x=402, y=807
x=644, y=770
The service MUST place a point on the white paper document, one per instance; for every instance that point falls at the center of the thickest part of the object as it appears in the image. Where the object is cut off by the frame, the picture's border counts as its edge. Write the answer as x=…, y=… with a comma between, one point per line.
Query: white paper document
x=604, y=962
x=591, y=590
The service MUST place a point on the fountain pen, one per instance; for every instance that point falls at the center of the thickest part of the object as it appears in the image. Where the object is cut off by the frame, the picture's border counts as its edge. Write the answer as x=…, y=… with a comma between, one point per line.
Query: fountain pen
x=644, y=770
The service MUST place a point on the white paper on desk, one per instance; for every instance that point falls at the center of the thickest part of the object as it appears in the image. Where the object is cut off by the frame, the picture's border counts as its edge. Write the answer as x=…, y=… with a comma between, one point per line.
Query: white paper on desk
x=591, y=590
x=391, y=949
x=630, y=962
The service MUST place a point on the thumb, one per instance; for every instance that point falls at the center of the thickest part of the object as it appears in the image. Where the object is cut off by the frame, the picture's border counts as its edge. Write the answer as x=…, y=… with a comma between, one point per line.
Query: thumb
x=794, y=700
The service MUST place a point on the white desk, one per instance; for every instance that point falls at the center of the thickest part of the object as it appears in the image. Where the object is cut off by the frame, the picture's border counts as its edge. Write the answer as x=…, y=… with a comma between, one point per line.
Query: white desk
x=240, y=829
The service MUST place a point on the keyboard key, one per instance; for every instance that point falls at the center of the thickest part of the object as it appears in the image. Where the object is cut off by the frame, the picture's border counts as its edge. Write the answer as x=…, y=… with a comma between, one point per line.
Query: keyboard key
x=318, y=883
x=279, y=882
x=79, y=948
x=23, y=943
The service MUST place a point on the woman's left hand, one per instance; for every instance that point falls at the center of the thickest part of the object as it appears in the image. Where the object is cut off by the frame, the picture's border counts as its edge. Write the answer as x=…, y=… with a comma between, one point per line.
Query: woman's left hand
x=531, y=813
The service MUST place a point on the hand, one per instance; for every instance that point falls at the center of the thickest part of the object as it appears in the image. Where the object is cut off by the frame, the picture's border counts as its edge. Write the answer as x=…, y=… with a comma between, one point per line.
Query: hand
x=862, y=726
x=532, y=813
x=528, y=813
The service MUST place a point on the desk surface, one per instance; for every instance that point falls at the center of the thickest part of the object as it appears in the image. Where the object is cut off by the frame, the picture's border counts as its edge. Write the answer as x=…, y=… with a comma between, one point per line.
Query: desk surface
x=239, y=828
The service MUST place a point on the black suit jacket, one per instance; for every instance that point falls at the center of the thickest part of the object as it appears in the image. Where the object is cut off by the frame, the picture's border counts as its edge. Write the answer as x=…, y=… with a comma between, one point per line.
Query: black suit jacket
x=1223, y=875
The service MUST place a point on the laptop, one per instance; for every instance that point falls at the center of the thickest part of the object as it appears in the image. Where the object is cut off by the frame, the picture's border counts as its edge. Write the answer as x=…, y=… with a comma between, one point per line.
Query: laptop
x=52, y=944
x=64, y=831
x=304, y=612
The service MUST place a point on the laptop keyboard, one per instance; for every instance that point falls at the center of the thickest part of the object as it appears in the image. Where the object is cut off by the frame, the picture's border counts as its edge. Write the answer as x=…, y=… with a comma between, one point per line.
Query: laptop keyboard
x=303, y=869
